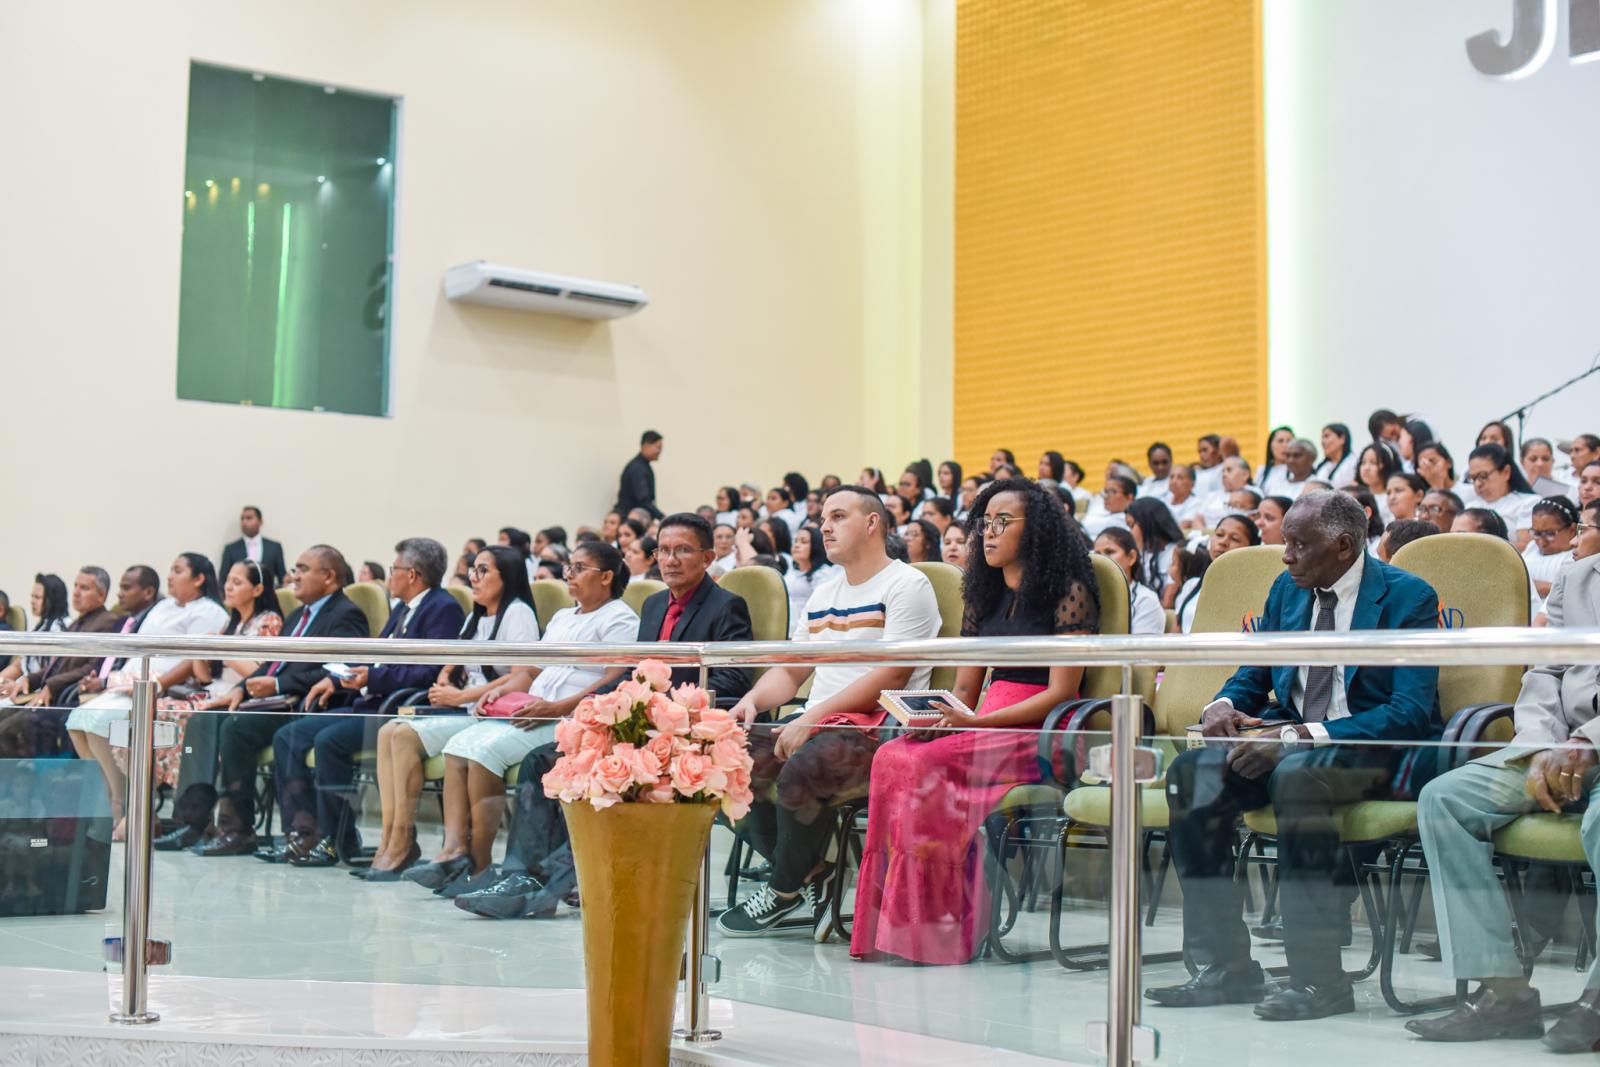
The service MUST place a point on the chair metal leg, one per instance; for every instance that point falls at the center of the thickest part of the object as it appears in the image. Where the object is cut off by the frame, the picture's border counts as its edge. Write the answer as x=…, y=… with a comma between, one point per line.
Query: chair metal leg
x=1413, y=909
x=1392, y=914
x=1160, y=880
x=1377, y=917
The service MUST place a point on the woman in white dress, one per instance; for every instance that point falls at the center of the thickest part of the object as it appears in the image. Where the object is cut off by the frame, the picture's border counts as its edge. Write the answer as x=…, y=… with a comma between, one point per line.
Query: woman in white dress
x=728, y=505
x=1338, y=466
x=1555, y=527
x=49, y=607
x=191, y=607
x=1147, y=615
x=1375, y=465
x=1498, y=484
x=1274, y=474
x=477, y=758
x=722, y=544
x=811, y=568
x=502, y=610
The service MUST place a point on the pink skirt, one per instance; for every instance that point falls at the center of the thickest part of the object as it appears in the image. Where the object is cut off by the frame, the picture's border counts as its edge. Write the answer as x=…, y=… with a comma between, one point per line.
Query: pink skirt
x=922, y=893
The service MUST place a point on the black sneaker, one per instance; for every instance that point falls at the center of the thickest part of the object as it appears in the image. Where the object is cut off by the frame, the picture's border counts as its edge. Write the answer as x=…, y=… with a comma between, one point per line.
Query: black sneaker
x=761, y=912
x=819, y=894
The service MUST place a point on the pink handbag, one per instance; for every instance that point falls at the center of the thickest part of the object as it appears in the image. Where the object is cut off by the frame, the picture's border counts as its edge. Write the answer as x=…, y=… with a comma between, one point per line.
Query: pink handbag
x=505, y=706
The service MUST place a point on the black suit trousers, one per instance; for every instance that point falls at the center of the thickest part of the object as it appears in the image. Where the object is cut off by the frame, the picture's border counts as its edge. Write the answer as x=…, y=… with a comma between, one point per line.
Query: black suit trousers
x=1205, y=799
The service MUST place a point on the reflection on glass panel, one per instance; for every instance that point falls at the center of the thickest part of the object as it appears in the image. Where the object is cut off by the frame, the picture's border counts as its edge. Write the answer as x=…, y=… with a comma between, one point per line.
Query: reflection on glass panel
x=287, y=206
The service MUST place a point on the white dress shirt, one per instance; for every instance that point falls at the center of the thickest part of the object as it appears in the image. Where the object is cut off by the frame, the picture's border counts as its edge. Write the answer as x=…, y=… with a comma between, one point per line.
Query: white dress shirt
x=1348, y=590
x=1338, y=474
x=1191, y=506
x=1094, y=525
x=1207, y=480
x=252, y=548
x=1276, y=481
x=1156, y=487
x=1149, y=617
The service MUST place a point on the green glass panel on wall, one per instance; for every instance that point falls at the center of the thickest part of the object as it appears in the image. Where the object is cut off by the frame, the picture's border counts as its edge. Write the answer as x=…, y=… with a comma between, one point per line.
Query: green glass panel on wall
x=288, y=207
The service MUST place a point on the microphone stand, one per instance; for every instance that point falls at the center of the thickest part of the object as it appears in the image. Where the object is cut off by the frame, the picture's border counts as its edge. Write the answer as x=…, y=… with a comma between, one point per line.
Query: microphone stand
x=1521, y=414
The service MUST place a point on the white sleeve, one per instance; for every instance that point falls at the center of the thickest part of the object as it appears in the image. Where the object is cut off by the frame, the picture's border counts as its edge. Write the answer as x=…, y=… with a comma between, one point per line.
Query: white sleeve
x=911, y=610
x=799, y=626
x=621, y=629
x=1148, y=615
x=520, y=624
x=212, y=619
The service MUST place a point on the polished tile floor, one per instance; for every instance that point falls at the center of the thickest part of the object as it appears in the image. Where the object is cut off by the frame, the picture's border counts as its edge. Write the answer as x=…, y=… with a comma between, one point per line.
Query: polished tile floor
x=241, y=919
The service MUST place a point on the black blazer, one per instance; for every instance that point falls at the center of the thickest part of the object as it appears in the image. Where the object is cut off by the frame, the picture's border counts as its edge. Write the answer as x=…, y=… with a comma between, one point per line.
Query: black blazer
x=637, y=488
x=271, y=560
x=712, y=614
x=339, y=617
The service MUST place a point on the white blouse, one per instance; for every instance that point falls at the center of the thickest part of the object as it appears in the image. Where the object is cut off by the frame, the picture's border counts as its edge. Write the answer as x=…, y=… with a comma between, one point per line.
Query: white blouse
x=520, y=625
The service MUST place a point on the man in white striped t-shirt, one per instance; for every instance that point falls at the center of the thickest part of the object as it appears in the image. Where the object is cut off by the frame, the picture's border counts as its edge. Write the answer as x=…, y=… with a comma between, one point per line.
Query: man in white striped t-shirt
x=826, y=750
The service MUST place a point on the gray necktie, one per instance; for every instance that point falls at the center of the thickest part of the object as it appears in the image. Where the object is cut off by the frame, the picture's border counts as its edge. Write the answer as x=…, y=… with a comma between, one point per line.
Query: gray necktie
x=1319, y=680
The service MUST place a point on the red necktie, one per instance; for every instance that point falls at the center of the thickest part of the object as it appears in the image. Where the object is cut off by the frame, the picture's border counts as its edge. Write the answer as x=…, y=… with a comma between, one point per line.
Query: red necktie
x=674, y=613
x=299, y=628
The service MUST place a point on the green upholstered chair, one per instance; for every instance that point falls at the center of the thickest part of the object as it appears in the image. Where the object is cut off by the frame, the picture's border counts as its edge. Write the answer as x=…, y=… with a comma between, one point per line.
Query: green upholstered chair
x=639, y=590
x=463, y=595
x=549, y=597
x=373, y=600
x=288, y=603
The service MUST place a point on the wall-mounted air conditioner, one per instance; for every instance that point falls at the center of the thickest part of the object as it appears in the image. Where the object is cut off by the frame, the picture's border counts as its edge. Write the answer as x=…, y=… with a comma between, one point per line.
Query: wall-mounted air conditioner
x=482, y=282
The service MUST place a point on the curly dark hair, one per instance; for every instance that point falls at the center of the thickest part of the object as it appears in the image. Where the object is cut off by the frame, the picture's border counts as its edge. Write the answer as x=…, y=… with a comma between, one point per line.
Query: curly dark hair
x=1054, y=555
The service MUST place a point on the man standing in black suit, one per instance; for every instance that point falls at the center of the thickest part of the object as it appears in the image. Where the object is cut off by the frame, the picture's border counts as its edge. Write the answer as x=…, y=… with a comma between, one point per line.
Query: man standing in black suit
x=253, y=546
x=638, y=488
x=537, y=872
x=324, y=612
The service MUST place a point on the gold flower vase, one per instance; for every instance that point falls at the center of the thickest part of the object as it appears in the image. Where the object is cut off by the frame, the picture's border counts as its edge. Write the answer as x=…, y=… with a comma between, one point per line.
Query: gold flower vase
x=637, y=865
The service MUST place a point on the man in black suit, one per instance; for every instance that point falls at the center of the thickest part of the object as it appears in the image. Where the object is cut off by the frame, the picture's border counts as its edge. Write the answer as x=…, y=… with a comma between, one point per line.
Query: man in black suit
x=537, y=873
x=35, y=726
x=324, y=612
x=638, y=488
x=253, y=546
x=426, y=613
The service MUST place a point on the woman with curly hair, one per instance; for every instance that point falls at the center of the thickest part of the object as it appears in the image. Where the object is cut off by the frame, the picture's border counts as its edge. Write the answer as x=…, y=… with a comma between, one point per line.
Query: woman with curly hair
x=922, y=893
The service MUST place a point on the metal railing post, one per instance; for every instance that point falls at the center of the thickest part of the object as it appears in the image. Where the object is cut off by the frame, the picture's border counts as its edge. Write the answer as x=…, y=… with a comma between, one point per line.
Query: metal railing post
x=1123, y=993
x=136, y=855
x=697, y=953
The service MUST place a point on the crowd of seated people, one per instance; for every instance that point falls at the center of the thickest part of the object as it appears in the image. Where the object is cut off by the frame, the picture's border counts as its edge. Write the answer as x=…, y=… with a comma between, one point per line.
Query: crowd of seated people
x=845, y=554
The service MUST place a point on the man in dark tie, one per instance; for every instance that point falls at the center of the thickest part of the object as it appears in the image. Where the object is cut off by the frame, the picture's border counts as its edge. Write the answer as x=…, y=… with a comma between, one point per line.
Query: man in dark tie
x=1316, y=754
x=252, y=546
x=324, y=611
x=537, y=872
x=638, y=487
x=316, y=815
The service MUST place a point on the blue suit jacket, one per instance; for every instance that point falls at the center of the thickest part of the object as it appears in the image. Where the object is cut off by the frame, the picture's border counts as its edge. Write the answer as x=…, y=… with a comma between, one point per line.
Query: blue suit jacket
x=439, y=618
x=1386, y=703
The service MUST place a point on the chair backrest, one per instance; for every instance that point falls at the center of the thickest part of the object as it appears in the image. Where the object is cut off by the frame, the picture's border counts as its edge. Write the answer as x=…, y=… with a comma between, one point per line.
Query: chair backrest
x=1234, y=586
x=1116, y=616
x=767, y=597
x=463, y=595
x=641, y=589
x=946, y=582
x=373, y=600
x=1481, y=581
x=17, y=617
x=549, y=597
x=288, y=603
x=1080, y=507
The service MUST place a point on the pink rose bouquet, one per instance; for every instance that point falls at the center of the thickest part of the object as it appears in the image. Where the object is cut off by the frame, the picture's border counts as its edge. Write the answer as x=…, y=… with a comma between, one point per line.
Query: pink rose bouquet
x=648, y=743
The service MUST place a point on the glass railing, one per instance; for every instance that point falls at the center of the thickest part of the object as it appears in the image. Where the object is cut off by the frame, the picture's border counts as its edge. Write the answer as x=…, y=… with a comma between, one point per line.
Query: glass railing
x=1116, y=887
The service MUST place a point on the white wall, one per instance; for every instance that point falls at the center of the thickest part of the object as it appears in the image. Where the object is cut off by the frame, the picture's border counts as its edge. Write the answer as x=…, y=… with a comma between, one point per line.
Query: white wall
x=1431, y=230
x=758, y=167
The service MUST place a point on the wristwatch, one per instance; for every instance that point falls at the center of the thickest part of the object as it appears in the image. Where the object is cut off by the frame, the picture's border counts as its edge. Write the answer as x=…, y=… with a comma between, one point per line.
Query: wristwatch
x=1289, y=736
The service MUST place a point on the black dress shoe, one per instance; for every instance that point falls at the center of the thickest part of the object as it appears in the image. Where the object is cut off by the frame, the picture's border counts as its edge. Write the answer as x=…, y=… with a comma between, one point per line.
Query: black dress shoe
x=229, y=844
x=321, y=854
x=465, y=883
x=183, y=837
x=1236, y=984
x=434, y=875
x=1301, y=1002
x=1484, y=1017
x=509, y=898
x=1579, y=1029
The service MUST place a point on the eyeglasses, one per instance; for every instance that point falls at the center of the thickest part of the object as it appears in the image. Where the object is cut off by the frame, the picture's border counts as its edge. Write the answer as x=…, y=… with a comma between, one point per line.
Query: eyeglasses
x=1430, y=509
x=1582, y=526
x=997, y=524
x=480, y=570
x=1480, y=477
x=572, y=570
x=1548, y=535
x=682, y=552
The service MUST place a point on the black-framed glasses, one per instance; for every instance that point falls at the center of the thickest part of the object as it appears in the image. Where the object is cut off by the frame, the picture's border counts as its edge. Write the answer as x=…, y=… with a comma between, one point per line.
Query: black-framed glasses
x=480, y=570
x=1582, y=526
x=1548, y=535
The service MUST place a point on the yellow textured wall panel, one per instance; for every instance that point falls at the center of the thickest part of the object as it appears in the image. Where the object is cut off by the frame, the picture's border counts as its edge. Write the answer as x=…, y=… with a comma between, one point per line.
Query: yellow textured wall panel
x=1110, y=231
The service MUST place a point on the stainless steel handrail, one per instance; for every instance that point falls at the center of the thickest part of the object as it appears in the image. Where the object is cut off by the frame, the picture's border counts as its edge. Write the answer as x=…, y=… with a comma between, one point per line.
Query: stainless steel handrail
x=1489, y=646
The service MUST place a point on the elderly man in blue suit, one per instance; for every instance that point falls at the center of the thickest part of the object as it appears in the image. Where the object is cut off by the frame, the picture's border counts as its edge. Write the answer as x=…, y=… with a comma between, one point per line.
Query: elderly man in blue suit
x=1322, y=755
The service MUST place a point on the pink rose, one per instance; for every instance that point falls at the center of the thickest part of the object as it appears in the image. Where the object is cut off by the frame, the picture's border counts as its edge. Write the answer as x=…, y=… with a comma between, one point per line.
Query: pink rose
x=692, y=697
x=595, y=739
x=691, y=772
x=663, y=747
x=612, y=708
x=584, y=713
x=569, y=732
x=666, y=716
x=728, y=754
x=581, y=765
x=642, y=763
x=655, y=674
x=634, y=692
x=602, y=801
x=612, y=774
x=556, y=781
x=661, y=792
x=714, y=723
x=736, y=805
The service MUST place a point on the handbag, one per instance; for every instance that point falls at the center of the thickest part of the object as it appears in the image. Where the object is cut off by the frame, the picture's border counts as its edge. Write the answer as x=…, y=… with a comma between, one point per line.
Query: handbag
x=505, y=706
